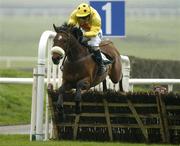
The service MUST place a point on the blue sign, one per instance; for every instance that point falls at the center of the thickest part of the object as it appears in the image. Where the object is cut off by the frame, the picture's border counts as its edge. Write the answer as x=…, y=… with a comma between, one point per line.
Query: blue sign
x=112, y=14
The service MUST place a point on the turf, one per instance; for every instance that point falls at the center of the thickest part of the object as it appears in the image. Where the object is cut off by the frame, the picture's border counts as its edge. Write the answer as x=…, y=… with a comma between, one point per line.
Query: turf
x=23, y=140
x=155, y=38
x=15, y=100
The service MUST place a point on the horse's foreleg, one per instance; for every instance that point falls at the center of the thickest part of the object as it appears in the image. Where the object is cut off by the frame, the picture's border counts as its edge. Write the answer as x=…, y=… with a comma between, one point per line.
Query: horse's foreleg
x=77, y=101
x=59, y=107
x=81, y=85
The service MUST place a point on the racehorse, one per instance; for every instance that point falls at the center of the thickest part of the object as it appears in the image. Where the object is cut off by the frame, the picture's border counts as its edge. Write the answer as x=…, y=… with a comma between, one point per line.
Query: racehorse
x=79, y=67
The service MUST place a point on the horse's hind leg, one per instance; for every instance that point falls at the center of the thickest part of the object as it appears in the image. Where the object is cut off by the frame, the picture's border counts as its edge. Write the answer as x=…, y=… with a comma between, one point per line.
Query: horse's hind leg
x=116, y=71
x=104, y=85
x=121, y=85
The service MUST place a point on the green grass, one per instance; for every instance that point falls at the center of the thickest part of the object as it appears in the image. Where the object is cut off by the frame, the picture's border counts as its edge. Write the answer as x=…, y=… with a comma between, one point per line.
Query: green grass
x=146, y=37
x=22, y=38
x=151, y=38
x=15, y=100
x=15, y=73
x=18, y=64
x=23, y=140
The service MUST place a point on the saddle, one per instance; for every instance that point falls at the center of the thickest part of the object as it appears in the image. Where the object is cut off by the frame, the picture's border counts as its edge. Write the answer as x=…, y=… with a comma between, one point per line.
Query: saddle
x=105, y=57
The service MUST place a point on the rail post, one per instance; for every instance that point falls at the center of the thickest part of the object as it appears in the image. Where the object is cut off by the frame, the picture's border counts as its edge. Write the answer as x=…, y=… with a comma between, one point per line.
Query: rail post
x=33, y=106
x=40, y=81
x=126, y=72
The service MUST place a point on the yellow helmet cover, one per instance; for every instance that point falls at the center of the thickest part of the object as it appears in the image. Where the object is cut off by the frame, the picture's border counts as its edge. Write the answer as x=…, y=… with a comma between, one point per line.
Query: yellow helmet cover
x=83, y=10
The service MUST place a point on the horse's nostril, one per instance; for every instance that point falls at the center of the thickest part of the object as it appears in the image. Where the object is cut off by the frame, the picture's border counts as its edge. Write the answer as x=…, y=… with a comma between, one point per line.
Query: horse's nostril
x=55, y=60
x=59, y=57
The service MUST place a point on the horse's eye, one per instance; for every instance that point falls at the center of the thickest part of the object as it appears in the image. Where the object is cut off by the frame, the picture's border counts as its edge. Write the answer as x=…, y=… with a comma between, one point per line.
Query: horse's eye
x=55, y=41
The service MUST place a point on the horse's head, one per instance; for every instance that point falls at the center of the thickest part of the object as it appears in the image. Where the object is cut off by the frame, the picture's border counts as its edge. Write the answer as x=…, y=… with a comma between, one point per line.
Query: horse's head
x=66, y=36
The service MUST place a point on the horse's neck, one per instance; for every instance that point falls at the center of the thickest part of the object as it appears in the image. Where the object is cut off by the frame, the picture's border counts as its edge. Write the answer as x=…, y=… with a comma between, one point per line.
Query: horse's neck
x=77, y=51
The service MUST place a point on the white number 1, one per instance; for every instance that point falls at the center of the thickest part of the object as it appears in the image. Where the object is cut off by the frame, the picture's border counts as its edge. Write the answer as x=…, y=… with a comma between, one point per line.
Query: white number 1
x=107, y=8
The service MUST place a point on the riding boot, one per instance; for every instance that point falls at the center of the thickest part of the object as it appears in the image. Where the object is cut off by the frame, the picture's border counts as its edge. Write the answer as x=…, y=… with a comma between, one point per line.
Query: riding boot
x=98, y=58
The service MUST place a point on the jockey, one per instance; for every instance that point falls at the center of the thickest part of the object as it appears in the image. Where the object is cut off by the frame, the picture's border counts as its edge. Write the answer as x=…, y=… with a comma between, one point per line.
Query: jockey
x=88, y=19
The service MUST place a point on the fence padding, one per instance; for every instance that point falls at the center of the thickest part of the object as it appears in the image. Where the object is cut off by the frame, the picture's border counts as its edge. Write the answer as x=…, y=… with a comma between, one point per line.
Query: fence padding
x=112, y=116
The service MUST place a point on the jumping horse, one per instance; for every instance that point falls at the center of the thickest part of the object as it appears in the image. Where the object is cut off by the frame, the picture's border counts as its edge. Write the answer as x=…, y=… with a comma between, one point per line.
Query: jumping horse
x=79, y=68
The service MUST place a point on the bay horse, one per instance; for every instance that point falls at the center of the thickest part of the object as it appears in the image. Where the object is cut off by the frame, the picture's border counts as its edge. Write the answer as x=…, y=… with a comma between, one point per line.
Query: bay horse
x=79, y=67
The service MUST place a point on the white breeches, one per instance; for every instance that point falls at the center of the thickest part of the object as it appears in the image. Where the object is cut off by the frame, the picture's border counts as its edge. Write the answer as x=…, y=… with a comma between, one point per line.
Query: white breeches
x=95, y=41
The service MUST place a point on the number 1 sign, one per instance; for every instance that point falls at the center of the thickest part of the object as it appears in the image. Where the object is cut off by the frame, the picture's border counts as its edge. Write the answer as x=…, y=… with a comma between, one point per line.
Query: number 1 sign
x=112, y=14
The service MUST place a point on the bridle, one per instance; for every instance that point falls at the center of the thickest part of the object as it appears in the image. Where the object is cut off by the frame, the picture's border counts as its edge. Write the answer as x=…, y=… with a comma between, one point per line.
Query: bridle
x=68, y=40
x=67, y=47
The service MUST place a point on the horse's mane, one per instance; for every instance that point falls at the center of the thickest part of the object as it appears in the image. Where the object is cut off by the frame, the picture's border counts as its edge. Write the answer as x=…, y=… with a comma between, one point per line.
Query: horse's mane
x=69, y=28
x=66, y=27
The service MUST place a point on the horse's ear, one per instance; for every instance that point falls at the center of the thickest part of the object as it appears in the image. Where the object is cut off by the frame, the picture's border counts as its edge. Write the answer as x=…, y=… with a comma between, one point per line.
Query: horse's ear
x=55, y=28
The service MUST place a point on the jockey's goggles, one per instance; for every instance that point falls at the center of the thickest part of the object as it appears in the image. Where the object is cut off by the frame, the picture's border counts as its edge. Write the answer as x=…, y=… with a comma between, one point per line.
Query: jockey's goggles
x=86, y=18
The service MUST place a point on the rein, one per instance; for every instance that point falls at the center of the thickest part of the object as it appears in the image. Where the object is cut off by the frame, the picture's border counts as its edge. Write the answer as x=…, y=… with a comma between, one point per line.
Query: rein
x=61, y=67
x=67, y=48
